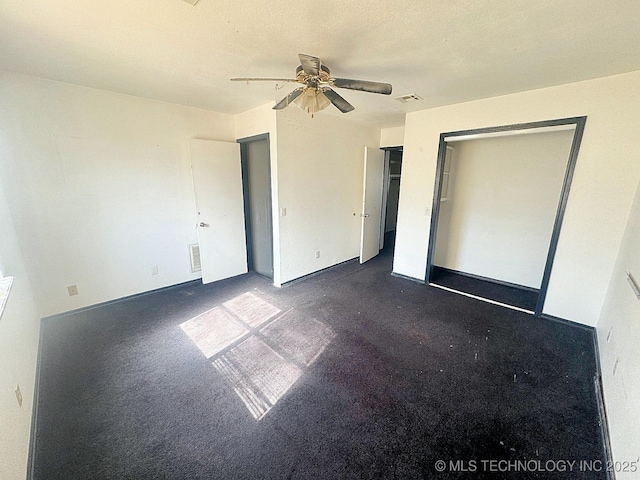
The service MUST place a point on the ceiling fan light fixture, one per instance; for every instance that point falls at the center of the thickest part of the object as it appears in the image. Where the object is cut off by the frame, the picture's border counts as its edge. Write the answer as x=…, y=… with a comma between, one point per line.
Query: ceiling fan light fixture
x=312, y=100
x=316, y=93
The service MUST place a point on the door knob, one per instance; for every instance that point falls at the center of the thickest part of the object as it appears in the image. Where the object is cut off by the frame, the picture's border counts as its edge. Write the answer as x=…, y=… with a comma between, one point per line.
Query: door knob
x=202, y=224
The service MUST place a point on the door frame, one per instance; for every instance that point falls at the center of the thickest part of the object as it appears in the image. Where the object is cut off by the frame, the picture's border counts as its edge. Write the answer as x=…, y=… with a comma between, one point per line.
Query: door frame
x=385, y=194
x=579, y=123
x=243, y=142
x=386, y=181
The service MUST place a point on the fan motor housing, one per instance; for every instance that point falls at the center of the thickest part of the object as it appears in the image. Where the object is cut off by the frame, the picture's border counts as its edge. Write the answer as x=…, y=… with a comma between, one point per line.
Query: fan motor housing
x=323, y=68
x=313, y=81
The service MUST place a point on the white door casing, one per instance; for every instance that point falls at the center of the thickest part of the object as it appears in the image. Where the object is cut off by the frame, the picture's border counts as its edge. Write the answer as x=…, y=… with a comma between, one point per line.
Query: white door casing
x=371, y=203
x=217, y=183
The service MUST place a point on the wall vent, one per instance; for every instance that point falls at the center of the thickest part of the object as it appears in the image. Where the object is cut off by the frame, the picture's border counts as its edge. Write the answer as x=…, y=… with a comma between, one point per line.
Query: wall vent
x=411, y=97
x=194, y=254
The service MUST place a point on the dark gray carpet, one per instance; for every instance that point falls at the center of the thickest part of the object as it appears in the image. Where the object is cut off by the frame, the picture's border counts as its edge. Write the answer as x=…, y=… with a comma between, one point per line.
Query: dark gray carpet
x=508, y=294
x=413, y=375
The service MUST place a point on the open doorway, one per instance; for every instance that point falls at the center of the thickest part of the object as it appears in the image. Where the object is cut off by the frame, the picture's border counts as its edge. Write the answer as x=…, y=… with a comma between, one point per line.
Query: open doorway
x=256, y=183
x=497, y=216
x=390, y=198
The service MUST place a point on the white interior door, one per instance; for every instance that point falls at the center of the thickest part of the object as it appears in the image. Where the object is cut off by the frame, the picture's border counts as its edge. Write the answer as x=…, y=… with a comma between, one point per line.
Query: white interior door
x=217, y=181
x=371, y=203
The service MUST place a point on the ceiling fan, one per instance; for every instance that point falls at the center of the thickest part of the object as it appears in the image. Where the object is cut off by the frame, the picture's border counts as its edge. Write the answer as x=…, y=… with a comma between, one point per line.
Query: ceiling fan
x=316, y=92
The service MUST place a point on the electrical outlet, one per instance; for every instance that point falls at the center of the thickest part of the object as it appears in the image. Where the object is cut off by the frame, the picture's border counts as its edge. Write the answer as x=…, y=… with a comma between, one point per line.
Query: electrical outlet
x=283, y=212
x=18, y=395
x=317, y=253
x=154, y=270
x=73, y=290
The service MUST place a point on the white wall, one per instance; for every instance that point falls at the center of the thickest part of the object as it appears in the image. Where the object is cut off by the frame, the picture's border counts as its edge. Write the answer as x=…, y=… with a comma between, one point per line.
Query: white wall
x=621, y=317
x=392, y=136
x=256, y=121
x=100, y=188
x=607, y=172
x=320, y=168
x=19, y=329
x=501, y=205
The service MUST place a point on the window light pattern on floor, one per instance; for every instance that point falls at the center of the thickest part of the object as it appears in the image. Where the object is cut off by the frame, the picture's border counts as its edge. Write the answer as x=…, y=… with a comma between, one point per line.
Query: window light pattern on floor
x=258, y=374
x=260, y=351
x=251, y=309
x=214, y=330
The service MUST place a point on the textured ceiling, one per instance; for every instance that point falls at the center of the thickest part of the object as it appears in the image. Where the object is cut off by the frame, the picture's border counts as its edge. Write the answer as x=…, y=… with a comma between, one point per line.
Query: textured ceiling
x=445, y=51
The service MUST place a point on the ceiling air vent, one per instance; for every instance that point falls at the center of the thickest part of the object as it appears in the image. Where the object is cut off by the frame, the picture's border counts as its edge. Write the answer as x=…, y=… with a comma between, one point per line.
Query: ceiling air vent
x=411, y=97
x=194, y=253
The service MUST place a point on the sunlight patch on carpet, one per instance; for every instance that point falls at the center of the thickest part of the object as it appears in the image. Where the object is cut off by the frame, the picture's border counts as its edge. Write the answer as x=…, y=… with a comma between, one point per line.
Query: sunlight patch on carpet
x=213, y=331
x=251, y=309
x=260, y=354
x=303, y=338
x=259, y=375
